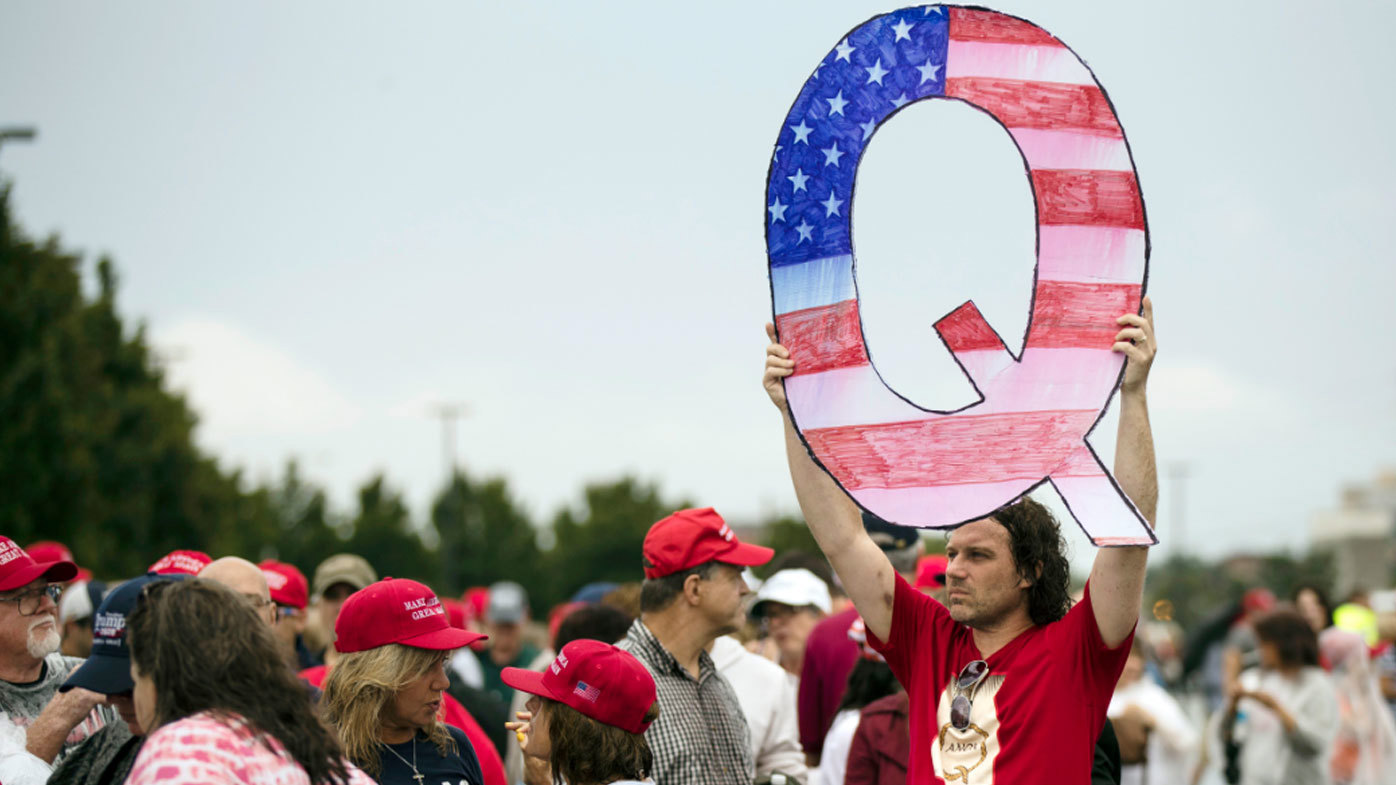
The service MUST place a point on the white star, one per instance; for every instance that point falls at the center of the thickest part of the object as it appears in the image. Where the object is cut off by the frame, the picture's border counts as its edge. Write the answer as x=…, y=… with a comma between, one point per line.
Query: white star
x=876, y=73
x=801, y=132
x=933, y=9
x=832, y=154
x=903, y=30
x=777, y=210
x=928, y=71
x=868, y=128
x=900, y=100
x=844, y=49
x=831, y=205
x=798, y=179
x=804, y=229
x=836, y=104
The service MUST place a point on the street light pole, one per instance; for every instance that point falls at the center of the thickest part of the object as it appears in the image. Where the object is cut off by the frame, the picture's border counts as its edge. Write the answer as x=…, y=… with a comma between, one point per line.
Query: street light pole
x=448, y=413
x=18, y=133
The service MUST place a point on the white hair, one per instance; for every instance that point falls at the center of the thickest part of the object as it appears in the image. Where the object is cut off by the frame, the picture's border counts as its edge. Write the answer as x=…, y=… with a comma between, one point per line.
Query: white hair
x=43, y=644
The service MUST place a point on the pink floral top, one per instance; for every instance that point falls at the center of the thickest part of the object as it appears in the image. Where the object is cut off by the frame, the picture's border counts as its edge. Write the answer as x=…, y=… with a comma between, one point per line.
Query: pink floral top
x=204, y=749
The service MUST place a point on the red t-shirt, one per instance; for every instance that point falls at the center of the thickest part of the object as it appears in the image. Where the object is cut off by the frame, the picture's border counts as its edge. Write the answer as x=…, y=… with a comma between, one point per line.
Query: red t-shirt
x=1034, y=718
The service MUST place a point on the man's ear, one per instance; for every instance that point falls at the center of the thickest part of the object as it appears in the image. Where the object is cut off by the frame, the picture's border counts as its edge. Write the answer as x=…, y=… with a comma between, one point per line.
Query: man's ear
x=692, y=589
x=1025, y=583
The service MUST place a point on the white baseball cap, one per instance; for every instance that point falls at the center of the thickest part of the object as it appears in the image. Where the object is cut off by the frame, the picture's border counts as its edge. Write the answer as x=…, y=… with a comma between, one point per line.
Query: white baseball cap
x=795, y=587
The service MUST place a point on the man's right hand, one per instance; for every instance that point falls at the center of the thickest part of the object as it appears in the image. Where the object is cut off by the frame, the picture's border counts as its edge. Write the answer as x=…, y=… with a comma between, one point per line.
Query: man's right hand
x=778, y=366
x=63, y=713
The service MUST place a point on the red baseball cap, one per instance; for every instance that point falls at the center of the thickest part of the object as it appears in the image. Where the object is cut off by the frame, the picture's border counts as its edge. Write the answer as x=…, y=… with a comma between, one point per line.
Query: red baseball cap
x=181, y=563
x=287, y=584
x=930, y=571
x=18, y=568
x=49, y=551
x=397, y=610
x=601, y=681
x=458, y=613
x=690, y=537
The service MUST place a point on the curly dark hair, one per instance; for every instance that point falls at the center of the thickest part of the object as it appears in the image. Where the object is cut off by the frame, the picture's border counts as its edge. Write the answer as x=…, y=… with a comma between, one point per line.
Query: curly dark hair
x=585, y=750
x=868, y=681
x=1039, y=554
x=1294, y=640
x=206, y=649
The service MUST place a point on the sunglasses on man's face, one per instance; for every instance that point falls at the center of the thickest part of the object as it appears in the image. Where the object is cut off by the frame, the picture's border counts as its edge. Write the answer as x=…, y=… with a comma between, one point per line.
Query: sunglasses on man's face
x=968, y=679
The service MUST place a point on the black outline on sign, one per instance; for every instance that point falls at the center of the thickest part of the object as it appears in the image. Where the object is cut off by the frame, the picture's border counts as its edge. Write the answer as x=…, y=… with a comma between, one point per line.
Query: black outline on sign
x=1037, y=251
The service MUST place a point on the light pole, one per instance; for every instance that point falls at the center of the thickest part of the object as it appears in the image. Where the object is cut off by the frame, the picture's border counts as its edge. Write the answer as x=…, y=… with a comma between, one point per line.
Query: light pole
x=26, y=133
x=448, y=413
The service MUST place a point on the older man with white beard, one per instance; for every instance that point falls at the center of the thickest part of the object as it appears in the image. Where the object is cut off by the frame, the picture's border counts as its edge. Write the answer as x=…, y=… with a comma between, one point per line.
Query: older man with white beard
x=31, y=669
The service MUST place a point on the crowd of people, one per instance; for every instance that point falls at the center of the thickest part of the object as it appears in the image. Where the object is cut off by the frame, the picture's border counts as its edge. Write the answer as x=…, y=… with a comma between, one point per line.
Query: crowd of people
x=871, y=663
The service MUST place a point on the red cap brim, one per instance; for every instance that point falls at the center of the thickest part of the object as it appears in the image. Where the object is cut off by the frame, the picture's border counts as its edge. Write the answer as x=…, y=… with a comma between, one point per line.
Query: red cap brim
x=529, y=681
x=746, y=555
x=54, y=571
x=443, y=640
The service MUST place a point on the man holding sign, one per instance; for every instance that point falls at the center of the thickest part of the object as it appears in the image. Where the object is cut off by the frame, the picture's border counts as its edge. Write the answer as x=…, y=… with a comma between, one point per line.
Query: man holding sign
x=1008, y=682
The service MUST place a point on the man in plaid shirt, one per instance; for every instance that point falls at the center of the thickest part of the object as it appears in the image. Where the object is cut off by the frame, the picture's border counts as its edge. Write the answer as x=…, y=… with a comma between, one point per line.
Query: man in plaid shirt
x=693, y=593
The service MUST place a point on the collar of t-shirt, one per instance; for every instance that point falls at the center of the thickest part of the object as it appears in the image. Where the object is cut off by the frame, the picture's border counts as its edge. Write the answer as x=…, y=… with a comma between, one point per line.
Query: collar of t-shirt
x=459, y=768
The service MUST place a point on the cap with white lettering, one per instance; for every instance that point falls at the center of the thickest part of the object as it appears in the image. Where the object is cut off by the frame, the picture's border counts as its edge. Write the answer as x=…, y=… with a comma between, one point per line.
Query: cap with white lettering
x=397, y=610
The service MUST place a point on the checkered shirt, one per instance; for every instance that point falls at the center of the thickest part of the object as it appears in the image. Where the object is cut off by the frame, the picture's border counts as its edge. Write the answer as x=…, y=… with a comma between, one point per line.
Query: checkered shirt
x=700, y=737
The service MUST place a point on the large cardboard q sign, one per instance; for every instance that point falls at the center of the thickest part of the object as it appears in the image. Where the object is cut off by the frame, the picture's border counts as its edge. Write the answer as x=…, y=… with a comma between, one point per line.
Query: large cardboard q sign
x=931, y=468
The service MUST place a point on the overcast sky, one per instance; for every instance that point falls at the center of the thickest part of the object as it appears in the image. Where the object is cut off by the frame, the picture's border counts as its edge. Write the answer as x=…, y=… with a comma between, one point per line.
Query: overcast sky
x=332, y=216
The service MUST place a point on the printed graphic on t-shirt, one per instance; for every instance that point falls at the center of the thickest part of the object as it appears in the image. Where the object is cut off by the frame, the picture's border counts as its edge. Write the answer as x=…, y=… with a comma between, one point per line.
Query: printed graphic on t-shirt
x=967, y=756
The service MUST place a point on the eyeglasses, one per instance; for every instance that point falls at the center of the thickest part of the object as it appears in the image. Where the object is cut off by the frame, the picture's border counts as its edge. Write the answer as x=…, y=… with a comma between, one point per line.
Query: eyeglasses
x=29, y=602
x=968, y=679
x=257, y=601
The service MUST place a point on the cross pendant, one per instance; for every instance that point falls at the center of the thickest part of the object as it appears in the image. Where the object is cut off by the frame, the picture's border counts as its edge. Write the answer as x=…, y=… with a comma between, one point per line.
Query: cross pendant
x=419, y=777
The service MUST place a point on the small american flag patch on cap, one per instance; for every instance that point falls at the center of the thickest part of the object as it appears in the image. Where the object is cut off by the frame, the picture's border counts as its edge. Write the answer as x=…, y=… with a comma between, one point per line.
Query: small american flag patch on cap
x=587, y=692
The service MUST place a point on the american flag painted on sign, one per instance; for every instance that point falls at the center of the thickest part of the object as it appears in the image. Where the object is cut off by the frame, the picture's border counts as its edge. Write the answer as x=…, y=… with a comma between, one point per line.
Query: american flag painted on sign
x=923, y=467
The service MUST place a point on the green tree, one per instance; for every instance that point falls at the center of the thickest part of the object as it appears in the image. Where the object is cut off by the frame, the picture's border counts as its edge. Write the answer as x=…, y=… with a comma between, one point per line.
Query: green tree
x=94, y=451
x=306, y=530
x=602, y=541
x=382, y=532
x=784, y=534
x=485, y=535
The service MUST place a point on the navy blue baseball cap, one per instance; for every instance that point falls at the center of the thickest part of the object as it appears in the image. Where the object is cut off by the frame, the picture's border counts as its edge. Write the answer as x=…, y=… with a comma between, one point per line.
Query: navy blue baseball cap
x=890, y=536
x=108, y=668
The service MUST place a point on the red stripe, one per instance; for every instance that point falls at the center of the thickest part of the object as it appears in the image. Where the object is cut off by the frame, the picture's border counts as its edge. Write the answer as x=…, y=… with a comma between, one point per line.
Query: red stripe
x=1085, y=197
x=964, y=330
x=950, y=450
x=823, y=338
x=993, y=27
x=1071, y=315
x=1081, y=464
x=1047, y=105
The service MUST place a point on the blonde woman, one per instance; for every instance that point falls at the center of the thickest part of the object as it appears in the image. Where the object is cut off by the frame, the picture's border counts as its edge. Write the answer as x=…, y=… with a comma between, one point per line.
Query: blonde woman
x=384, y=695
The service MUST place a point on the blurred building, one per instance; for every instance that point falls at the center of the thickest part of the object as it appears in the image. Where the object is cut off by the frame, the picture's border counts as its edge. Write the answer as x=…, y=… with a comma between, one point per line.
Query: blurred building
x=1361, y=534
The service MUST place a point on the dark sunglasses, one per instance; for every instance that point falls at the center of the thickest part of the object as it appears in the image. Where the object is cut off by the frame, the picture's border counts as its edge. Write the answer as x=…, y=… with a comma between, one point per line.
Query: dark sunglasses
x=968, y=679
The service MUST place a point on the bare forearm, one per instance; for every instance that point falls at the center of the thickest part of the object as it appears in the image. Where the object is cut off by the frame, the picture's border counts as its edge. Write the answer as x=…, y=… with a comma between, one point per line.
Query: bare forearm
x=45, y=736
x=833, y=518
x=1135, y=466
x=836, y=523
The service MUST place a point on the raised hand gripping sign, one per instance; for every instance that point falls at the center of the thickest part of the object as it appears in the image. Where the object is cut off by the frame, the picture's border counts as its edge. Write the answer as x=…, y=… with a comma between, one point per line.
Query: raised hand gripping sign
x=929, y=468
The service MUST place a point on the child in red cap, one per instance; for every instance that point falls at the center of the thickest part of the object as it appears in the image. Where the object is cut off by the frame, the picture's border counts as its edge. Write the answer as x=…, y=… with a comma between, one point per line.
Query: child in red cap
x=588, y=715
